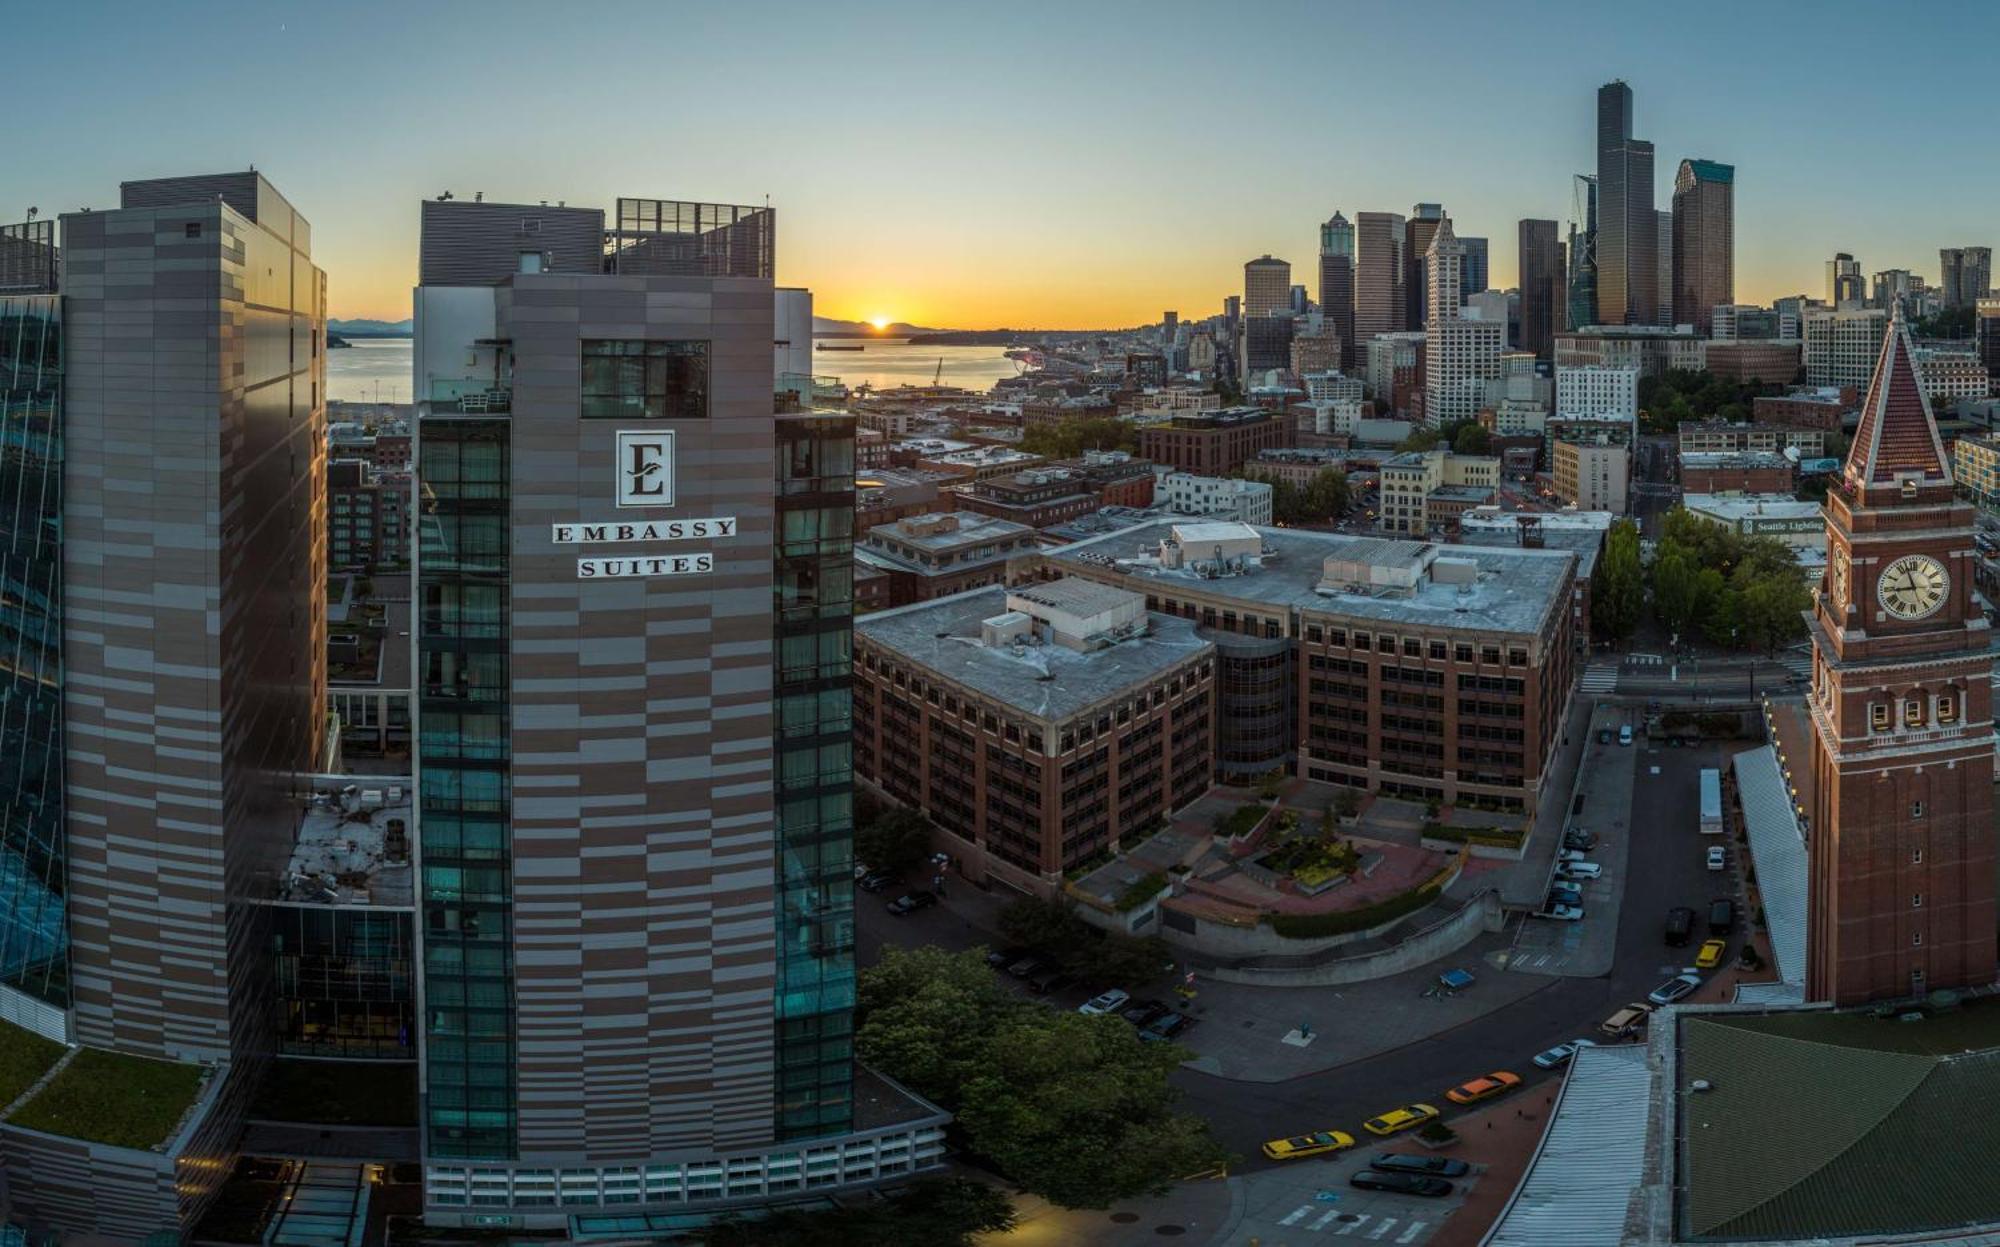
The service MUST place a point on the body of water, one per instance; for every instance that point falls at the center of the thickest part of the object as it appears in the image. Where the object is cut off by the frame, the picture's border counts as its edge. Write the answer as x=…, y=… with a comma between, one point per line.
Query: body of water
x=372, y=370
x=378, y=369
x=890, y=362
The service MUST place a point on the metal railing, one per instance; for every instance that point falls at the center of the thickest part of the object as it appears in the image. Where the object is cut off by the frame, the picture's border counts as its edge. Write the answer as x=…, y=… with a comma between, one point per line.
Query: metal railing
x=28, y=257
x=679, y=238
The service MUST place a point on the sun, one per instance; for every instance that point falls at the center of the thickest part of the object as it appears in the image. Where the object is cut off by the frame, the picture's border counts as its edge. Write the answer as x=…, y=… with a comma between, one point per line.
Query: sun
x=880, y=322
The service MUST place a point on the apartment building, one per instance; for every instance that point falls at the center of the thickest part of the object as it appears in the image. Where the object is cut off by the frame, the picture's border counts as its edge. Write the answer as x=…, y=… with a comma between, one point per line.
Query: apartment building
x=935, y=555
x=1410, y=478
x=1591, y=470
x=1217, y=497
x=1737, y=472
x=1216, y=442
x=1704, y=437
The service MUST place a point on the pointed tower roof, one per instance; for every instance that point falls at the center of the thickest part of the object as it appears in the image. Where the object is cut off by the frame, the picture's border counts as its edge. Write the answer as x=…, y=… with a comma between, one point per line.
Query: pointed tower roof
x=1443, y=237
x=1897, y=434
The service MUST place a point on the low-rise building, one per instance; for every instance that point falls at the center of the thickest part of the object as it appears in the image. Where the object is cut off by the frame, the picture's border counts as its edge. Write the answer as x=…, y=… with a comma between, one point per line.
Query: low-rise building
x=1806, y=407
x=1582, y=533
x=1332, y=385
x=1598, y=391
x=1061, y=490
x=1653, y=350
x=1749, y=361
x=885, y=495
x=1737, y=472
x=1426, y=671
x=1297, y=465
x=1975, y=466
x=978, y=463
x=1042, y=413
x=1709, y=437
x=1218, y=497
x=1037, y=726
x=1215, y=442
x=1444, y=505
x=1410, y=478
x=932, y=556
x=1591, y=470
x=1798, y=524
x=1952, y=373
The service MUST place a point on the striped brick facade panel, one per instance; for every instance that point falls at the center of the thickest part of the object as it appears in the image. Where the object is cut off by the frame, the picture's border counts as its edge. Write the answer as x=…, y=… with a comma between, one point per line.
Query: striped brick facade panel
x=643, y=829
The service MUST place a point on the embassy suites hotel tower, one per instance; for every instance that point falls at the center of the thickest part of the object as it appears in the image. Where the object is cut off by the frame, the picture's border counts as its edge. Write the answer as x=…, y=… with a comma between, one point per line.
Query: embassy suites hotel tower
x=634, y=773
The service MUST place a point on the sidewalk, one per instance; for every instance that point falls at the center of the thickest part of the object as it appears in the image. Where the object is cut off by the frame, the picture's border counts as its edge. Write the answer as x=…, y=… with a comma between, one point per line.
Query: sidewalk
x=1502, y=1139
x=1198, y=1212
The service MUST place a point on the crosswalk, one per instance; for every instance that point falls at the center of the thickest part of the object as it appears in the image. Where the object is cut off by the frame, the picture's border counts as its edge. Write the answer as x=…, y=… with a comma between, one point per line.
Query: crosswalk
x=1600, y=677
x=1336, y=1224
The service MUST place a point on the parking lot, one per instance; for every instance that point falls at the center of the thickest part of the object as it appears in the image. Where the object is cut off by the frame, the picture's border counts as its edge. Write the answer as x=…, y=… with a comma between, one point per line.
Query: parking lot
x=1305, y=1201
x=1587, y=948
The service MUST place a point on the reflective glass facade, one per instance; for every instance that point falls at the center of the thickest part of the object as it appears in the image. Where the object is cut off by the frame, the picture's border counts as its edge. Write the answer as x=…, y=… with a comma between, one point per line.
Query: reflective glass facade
x=344, y=982
x=465, y=895
x=814, y=630
x=33, y=925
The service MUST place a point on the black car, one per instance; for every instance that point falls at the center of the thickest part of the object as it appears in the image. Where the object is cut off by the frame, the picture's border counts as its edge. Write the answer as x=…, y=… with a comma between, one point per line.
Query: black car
x=1721, y=916
x=911, y=902
x=1141, y=1013
x=876, y=880
x=1401, y=1183
x=1032, y=964
x=1050, y=981
x=1603, y=735
x=1001, y=958
x=1434, y=1166
x=1169, y=1025
x=1578, y=838
x=1680, y=924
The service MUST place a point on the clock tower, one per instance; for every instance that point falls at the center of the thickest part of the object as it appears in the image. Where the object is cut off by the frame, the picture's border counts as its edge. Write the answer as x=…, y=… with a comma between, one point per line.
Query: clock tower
x=1901, y=837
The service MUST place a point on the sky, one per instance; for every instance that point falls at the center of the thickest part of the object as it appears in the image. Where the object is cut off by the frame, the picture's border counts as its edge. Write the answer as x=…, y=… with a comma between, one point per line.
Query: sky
x=1044, y=165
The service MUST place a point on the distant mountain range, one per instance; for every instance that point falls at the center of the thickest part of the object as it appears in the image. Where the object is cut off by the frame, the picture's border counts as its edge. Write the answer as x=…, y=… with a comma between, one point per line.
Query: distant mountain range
x=369, y=328
x=827, y=327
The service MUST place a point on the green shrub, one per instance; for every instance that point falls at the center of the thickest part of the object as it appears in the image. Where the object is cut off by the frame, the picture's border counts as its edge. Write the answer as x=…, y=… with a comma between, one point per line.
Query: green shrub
x=1240, y=820
x=1346, y=921
x=1139, y=891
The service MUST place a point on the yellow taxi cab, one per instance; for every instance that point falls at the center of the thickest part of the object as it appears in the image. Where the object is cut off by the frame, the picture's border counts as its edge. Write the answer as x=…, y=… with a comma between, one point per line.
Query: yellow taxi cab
x=1500, y=1082
x=1710, y=955
x=1400, y=1119
x=1318, y=1143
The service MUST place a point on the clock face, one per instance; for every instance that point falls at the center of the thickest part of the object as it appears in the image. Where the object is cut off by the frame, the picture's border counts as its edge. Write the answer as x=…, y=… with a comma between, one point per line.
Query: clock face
x=1840, y=577
x=1913, y=586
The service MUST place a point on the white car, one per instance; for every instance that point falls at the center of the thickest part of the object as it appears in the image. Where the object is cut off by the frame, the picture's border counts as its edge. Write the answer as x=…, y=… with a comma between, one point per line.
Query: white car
x=1675, y=988
x=1563, y=913
x=1717, y=860
x=1579, y=870
x=1109, y=1002
x=1569, y=855
x=1559, y=1056
x=1625, y=734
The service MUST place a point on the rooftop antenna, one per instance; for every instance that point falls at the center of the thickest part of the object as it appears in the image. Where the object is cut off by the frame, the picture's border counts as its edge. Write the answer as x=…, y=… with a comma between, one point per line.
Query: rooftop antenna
x=32, y=210
x=479, y=197
x=442, y=198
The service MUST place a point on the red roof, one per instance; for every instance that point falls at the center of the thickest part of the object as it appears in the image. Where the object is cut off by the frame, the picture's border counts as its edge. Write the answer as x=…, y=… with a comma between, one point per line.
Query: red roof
x=1897, y=433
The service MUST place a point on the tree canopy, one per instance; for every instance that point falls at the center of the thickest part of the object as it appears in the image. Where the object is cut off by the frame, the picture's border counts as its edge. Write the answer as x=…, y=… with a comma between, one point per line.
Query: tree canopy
x=1620, y=593
x=1324, y=498
x=1737, y=591
x=894, y=840
x=1667, y=400
x=1070, y=438
x=1076, y=1109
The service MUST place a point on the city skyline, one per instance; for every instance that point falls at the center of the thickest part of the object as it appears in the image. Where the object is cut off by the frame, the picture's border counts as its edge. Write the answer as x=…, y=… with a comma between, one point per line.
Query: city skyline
x=920, y=193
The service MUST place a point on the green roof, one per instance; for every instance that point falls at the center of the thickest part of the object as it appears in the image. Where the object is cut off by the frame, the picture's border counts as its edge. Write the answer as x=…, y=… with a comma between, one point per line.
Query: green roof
x=24, y=1058
x=1820, y=1124
x=108, y=1097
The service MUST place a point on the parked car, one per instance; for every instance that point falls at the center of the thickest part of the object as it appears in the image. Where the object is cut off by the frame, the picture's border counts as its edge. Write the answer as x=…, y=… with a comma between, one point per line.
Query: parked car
x=1711, y=954
x=1717, y=859
x=1500, y=1082
x=1001, y=958
x=1028, y=966
x=1625, y=1023
x=1562, y=1053
x=1721, y=916
x=1625, y=734
x=1603, y=735
x=1569, y=855
x=1112, y=1001
x=1562, y=892
x=1401, y=1183
x=1318, y=1143
x=1051, y=981
x=862, y=870
x=876, y=880
x=1579, y=870
x=1674, y=988
x=911, y=902
x=1432, y=1166
x=1562, y=913
x=1580, y=839
x=1397, y=1120
x=1680, y=924
x=1168, y=1025
x=1140, y=1013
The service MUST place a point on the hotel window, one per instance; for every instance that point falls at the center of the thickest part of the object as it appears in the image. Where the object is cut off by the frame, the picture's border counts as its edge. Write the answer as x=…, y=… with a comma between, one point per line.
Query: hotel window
x=1917, y=941
x=1947, y=708
x=1916, y=857
x=627, y=380
x=1878, y=716
x=1913, y=713
x=1916, y=900
x=1916, y=809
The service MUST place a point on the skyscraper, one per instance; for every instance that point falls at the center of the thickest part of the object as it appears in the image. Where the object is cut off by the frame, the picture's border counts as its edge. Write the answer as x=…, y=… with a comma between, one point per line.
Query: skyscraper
x=1704, y=263
x=1378, y=277
x=1967, y=275
x=1628, y=231
x=1843, y=281
x=1422, y=226
x=1460, y=354
x=1336, y=283
x=1267, y=287
x=1582, y=275
x=1664, y=259
x=1901, y=874
x=635, y=821
x=1542, y=287
x=1475, y=273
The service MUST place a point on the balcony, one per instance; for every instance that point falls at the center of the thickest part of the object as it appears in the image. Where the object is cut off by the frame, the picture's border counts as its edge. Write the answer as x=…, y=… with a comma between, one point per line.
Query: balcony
x=471, y=395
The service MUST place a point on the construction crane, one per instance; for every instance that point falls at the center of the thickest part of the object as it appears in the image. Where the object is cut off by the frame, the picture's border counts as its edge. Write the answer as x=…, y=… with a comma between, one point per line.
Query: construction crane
x=937, y=379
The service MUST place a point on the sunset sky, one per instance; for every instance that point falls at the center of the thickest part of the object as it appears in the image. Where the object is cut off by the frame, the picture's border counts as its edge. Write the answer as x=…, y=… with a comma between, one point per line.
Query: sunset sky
x=1049, y=165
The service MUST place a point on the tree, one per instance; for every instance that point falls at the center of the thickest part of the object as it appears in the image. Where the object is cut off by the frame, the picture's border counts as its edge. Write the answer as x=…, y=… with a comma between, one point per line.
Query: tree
x=1772, y=610
x=936, y=1212
x=1070, y=438
x=896, y=841
x=1621, y=592
x=1676, y=590
x=1327, y=495
x=1053, y=929
x=1072, y=1108
x=1472, y=438
x=1420, y=439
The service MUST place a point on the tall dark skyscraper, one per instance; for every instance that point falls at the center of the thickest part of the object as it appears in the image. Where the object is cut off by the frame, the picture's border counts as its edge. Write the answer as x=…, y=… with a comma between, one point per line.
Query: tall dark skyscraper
x=1378, y=277
x=1474, y=275
x=1582, y=274
x=1417, y=234
x=1704, y=264
x=1966, y=273
x=1628, y=280
x=1336, y=283
x=1542, y=287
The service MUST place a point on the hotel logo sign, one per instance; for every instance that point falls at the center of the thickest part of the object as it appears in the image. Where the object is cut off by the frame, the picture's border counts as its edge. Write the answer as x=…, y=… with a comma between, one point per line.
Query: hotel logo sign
x=645, y=468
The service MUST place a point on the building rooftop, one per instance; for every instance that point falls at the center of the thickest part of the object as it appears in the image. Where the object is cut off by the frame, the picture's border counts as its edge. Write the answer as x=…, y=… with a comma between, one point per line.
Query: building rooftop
x=1712, y=460
x=353, y=844
x=1816, y=1125
x=1779, y=850
x=1579, y=1184
x=948, y=530
x=1735, y=508
x=1047, y=681
x=1512, y=590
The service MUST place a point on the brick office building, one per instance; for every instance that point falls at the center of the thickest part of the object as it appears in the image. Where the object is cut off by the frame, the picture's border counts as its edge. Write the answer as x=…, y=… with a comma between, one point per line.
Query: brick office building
x=1214, y=443
x=1806, y=409
x=1035, y=727
x=932, y=556
x=1737, y=472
